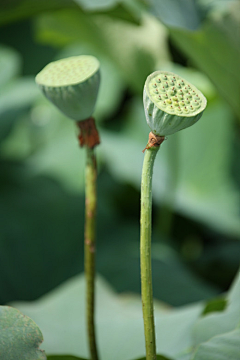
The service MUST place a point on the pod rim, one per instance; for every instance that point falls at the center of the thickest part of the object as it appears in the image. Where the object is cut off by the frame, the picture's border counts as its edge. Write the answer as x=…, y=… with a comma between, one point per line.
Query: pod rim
x=43, y=78
x=198, y=111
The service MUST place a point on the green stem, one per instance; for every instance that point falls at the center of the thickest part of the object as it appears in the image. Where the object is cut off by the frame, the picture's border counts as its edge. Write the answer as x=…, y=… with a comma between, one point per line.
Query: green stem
x=89, y=262
x=145, y=252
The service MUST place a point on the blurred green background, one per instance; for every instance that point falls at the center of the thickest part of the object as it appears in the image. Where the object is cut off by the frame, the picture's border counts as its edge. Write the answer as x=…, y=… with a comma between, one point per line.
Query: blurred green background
x=196, y=184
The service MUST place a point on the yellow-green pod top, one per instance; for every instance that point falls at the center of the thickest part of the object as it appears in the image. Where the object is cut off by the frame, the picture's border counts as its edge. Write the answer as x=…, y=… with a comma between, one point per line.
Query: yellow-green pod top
x=72, y=85
x=171, y=103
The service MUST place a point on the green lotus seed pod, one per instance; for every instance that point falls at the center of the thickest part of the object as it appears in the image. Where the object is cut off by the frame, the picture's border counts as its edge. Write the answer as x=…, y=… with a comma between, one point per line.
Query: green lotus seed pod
x=72, y=85
x=184, y=105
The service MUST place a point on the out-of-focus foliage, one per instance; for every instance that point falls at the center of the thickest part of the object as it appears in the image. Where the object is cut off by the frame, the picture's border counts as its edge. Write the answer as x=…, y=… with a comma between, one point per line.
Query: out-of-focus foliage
x=196, y=182
x=67, y=304
x=63, y=357
x=180, y=332
x=15, y=10
x=205, y=45
x=20, y=336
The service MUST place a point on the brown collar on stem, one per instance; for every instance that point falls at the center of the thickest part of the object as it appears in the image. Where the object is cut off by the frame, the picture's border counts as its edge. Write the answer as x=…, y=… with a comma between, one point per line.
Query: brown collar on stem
x=88, y=133
x=154, y=141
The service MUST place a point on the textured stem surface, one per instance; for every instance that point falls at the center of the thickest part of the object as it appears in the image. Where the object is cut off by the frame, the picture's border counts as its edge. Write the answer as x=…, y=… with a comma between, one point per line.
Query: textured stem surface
x=89, y=261
x=145, y=252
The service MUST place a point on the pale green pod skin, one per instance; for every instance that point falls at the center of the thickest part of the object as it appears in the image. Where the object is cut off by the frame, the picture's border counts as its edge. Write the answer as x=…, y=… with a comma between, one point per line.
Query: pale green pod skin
x=171, y=103
x=72, y=85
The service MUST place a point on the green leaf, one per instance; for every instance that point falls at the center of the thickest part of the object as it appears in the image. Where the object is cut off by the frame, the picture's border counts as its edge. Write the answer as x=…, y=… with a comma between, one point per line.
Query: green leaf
x=28, y=201
x=37, y=208
x=177, y=13
x=133, y=62
x=205, y=189
x=15, y=98
x=214, y=324
x=214, y=48
x=61, y=315
x=63, y=357
x=222, y=347
x=23, y=9
x=20, y=336
x=215, y=305
x=159, y=357
x=9, y=65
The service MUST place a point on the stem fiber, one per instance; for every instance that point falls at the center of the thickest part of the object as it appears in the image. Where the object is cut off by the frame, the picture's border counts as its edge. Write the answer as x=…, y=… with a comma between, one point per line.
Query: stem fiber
x=145, y=252
x=89, y=139
x=89, y=259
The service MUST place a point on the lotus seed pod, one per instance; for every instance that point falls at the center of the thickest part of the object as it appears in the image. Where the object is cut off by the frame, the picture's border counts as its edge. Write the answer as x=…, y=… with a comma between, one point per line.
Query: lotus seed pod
x=72, y=84
x=168, y=108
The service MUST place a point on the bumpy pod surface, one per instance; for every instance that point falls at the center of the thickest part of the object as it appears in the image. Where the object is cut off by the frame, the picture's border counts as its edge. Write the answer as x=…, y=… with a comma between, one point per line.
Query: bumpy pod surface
x=171, y=103
x=72, y=85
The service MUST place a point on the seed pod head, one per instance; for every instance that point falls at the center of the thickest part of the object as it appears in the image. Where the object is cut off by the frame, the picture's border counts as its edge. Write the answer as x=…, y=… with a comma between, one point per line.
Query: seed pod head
x=172, y=107
x=72, y=84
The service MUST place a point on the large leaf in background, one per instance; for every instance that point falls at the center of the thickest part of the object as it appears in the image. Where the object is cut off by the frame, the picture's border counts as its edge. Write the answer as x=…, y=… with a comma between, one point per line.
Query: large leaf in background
x=22, y=9
x=187, y=14
x=215, y=49
x=37, y=207
x=126, y=10
x=60, y=155
x=215, y=335
x=214, y=324
x=20, y=336
x=159, y=357
x=222, y=347
x=15, y=98
x=60, y=314
x=9, y=65
x=63, y=357
x=177, y=13
x=127, y=45
x=39, y=220
x=96, y=4
x=131, y=49
x=206, y=189
x=16, y=95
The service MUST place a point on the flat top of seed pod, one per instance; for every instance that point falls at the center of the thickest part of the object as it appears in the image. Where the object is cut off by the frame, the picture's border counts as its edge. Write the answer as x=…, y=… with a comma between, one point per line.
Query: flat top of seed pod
x=174, y=95
x=69, y=71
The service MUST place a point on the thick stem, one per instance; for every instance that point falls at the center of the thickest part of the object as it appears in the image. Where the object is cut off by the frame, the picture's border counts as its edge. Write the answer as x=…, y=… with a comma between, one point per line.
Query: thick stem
x=89, y=138
x=89, y=261
x=145, y=248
